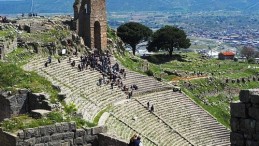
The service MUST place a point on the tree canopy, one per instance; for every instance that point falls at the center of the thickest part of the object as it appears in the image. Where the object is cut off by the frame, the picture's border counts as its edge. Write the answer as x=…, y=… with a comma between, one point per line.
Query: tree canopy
x=133, y=33
x=248, y=52
x=168, y=38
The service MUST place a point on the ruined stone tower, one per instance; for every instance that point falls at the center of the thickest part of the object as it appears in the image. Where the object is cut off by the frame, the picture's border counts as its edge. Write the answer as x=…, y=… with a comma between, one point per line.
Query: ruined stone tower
x=90, y=22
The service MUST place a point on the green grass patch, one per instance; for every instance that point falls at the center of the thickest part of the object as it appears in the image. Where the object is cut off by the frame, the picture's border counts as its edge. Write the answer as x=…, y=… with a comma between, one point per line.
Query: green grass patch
x=50, y=36
x=21, y=122
x=8, y=33
x=13, y=77
x=19, y=56
x=98, y=116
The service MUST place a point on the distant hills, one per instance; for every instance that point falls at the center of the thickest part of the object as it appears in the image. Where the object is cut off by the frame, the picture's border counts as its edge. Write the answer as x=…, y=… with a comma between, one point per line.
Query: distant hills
x=184, y=5
x=65, y=6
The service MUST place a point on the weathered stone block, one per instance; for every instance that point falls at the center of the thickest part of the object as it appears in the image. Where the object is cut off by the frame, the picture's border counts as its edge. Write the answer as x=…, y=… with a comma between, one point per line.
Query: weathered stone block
x=257, y=127
x=21, y=135
x=38, y=140
x=254, y=97
x=248, y=136
x=51, y=129
x=23, y=91
x=251, y=143
x=254, y=112
x=79, y=141
x=234, y=122
x=54, y=144
x=80, y=133
x=244, y=96
x=29, y=133
x=90, y=138
x=62, y=96
x=250, y=125
x=69, y=135
x=21, y=143
x=30, y=141
x=97, y=130
x=37, y=132
x=72, y=126
x=42, y=130
x=256, y=137
x=65, y=127
x=88, y=131
x=70, y=141
x=56, y=87
x=45, y=139
x=41, y=144
x=59, y=127
x=238, y=110
x=65, y=144
x=56, y=137
x=237, y=139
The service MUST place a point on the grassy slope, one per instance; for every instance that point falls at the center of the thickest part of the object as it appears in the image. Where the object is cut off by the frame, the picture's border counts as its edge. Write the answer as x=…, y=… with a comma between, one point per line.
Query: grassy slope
x=12, y=77
x=219, y=104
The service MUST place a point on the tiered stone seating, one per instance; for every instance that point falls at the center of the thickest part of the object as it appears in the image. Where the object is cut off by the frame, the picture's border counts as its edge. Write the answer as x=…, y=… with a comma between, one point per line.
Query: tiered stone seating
x=123, y=131
x=138, y=117
x=82, y=87
x=196, y=125
x=176, y=121
x=145, y=84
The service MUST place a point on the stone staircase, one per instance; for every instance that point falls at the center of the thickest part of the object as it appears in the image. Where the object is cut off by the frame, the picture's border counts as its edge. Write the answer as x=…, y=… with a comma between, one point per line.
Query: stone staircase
x=80, y=87
x=177, y=120
x=147, y=124
x=191, y=121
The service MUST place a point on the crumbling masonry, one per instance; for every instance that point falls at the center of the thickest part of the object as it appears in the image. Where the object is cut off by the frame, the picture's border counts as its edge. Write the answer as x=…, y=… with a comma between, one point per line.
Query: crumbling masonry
x=90, y=22
x=245, y=119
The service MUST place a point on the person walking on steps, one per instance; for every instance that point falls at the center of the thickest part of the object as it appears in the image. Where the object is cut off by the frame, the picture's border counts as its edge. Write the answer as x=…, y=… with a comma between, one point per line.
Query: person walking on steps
x=152, y=108
x=148, y=105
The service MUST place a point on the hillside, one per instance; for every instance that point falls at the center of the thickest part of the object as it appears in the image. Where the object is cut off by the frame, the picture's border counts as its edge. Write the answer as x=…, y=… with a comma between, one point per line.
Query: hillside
x=65, y=6
x=183, y=5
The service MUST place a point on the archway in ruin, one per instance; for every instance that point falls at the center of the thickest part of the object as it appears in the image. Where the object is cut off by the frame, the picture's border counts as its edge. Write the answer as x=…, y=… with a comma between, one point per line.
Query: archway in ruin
x=91, y=23
x=97, y=35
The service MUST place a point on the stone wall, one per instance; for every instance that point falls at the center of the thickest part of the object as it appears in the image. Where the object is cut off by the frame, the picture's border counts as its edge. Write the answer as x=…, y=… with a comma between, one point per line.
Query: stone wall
x=22, y=102
x=60, y=134
x=38, y=101
x=6, y=46
x=105, y=140
x=7, y=139
x=245, y=119
x=13, y=104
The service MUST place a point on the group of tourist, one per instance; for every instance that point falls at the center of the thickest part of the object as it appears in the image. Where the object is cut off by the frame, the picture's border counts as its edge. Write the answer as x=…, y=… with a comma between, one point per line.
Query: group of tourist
x=135, y=140
x=111, y=74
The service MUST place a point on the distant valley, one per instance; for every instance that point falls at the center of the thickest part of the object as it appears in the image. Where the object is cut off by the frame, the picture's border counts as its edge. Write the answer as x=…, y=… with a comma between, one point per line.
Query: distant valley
x=65, y=6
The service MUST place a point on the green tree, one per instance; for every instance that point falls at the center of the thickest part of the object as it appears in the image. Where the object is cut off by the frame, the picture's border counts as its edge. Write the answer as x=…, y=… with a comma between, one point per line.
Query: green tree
x=133, y=33
x=168, y=38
